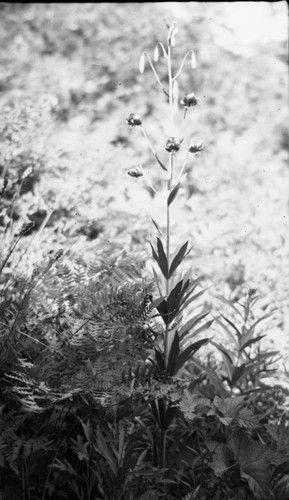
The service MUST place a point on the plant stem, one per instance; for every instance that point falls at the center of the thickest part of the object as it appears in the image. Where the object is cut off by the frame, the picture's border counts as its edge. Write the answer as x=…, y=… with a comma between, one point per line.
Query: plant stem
x=169, y=187
x=171, y=104
x=163, y=447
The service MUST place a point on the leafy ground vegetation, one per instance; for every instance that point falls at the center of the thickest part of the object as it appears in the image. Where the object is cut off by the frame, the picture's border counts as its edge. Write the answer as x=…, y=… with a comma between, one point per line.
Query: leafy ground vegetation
x=143, y=317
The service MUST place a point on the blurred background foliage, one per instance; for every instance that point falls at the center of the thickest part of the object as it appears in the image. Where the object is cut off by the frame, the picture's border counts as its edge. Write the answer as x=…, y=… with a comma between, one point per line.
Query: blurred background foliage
x=68, y=80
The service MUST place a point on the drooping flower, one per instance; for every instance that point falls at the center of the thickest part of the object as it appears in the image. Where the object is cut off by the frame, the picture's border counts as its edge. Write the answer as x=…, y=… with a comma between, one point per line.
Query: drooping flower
x=172, y=145
x=196, y=147
x=134, y=120
x=136, y=171
x=189, y=100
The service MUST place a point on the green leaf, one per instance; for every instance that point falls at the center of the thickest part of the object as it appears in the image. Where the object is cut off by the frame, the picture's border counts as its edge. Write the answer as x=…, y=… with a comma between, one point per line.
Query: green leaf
x=157, y=227
x=163, y=412
x=227, y=360
x=163, y=259
x=185, y=355
x=265, y=316
x=160, y=361
x=233, y=326
x=227, y=330
x=103, y=449
x=222, y=460
x=160, y=259
x=213, y=376
x=202, y=328
x=142, y=62
x=173, y=194
x=229, y=303
x=155, y=255
x=163, y=310
x=187, y=302
x=173, y=355
x=178, y=258
x=237, y=374
x=191, y=323
x=252, y=456
x=173, y=302
x=251, y=341
x=247, y=419
x=160, y=163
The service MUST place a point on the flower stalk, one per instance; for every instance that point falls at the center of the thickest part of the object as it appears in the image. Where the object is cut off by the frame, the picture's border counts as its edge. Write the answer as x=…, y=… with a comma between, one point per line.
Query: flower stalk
x=171, y=355
x=174, y=298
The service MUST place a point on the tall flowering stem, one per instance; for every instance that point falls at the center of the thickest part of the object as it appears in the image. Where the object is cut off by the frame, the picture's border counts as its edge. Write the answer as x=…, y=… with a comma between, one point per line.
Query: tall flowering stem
x=175, y=349
x=174, y=297
x=169, y=184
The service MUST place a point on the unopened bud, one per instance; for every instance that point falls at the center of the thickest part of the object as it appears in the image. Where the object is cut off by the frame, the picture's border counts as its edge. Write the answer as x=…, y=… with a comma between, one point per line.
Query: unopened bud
x=134, y=120
x=172, y=144
x=189, y=100
x=197, y=147
x=26, y=172
x=136, y=172
x=142, y=63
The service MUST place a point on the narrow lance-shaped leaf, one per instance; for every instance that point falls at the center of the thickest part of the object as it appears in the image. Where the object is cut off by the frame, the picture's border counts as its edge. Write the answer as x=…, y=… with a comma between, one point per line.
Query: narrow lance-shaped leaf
x=173, y=355
x=228, y=302
x=192, y=286
x=163, y=310
x=163, y=259
x=173, y=194
x=251, y=368
x=237, y=374
x=251, y=342
x=232, y=325
x=106, y=452
x=157, y=227
x=155, y=255
x=223, y=350
x=213, y=376
x=187, y=353
x=178, y=259
x=199, y=330
x=160, y=361
x=191, y=323
x=187, y=302
x=160, y=163
x=174, y=298
x=267, y=315
x=227, y=360
x=227, y=330
x=162, y=262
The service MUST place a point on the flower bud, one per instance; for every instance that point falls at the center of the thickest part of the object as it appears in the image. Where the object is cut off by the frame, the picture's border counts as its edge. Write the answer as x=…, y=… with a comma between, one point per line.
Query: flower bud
x=189, y=100
x=172, y=144
x=136, y=172
x=26, y=172
x=197, y=147
x=134, y=120
x=142, y=63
